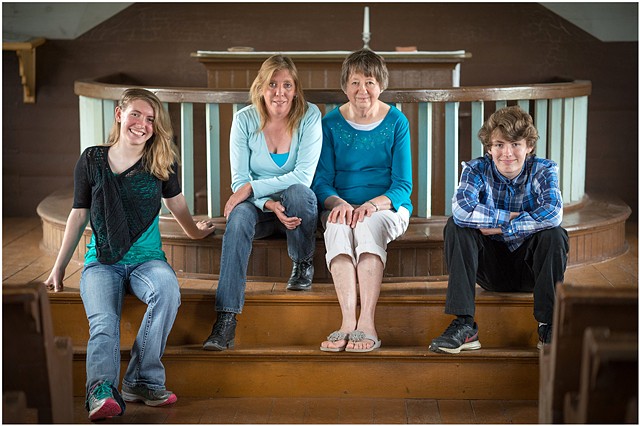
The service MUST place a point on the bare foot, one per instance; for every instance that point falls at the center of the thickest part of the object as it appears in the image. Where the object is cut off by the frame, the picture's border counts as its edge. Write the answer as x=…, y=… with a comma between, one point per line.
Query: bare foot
x=335, y=342
x=365, y=344
x=358, y=342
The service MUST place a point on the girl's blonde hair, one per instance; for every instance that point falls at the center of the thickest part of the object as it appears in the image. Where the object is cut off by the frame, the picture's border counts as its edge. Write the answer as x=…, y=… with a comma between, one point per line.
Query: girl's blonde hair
x=160, y=152
x=268, y=68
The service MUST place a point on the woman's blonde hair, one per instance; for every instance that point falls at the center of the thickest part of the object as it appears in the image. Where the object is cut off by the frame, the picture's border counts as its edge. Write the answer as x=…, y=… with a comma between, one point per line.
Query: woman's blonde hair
x=160, y=152
x=268, y=68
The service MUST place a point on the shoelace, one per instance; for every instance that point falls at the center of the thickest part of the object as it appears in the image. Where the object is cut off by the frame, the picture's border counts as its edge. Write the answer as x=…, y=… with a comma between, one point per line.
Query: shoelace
x=102, y=390
x=453, y=327
x=222, y=323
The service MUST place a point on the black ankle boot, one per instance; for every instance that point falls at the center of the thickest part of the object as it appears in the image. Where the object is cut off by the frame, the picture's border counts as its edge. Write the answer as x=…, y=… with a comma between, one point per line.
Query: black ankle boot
x=223, y=333
x=301, y=275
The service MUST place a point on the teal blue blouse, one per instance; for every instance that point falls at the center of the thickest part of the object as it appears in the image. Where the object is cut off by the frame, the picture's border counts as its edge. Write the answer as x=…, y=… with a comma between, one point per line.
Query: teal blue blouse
x=359, y=165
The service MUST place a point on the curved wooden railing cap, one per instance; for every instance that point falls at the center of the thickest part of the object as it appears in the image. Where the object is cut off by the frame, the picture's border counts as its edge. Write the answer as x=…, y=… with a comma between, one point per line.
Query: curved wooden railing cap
x=112, y=91
x=104, y=90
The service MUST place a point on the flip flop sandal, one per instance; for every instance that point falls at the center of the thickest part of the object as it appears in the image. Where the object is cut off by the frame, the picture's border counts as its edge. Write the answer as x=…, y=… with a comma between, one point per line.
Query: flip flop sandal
x=358, y=336
x=336, y=336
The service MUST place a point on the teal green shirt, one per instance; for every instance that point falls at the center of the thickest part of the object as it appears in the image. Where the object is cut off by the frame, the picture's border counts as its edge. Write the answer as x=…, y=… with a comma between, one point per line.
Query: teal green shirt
x=147, y=247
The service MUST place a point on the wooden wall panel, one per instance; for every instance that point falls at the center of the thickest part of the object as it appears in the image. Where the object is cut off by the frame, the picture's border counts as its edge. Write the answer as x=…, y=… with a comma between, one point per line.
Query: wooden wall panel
x=531, y=45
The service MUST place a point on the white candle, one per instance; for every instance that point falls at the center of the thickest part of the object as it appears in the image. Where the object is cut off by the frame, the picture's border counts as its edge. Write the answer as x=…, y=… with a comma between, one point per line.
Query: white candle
x=365, y=29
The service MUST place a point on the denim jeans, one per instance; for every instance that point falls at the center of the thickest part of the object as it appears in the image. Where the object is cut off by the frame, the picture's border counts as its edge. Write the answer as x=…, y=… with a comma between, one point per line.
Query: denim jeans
x=102, y=288
x=536, y=266
x=245, y=223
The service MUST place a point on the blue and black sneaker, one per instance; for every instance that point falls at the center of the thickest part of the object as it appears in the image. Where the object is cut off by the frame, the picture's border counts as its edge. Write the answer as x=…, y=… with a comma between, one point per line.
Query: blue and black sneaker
x=459, y=336
x=544, y=335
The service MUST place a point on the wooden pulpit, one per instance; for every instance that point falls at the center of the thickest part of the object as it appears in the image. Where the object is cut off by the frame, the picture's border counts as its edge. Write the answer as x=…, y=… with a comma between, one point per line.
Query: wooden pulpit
x=321, y=70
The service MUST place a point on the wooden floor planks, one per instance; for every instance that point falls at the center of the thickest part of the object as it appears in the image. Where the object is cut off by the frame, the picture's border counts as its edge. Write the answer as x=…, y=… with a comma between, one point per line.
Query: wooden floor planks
x=325, y=411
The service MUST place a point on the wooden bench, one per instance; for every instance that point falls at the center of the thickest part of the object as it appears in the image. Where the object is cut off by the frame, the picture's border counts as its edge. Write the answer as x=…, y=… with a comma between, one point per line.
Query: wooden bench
x=596, y=232
x=15, y=410
x=576, y=309
x=608, y=389
x=34, y=361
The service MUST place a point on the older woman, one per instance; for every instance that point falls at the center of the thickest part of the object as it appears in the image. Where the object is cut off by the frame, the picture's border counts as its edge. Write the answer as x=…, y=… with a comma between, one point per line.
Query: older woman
x=274, y=147
x=363, y=181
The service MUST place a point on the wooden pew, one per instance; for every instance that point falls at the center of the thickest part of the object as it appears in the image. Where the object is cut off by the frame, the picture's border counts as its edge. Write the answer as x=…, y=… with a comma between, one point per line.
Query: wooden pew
x=15, y=410
x=577, y=308
x=34, y=361
x=608, y=380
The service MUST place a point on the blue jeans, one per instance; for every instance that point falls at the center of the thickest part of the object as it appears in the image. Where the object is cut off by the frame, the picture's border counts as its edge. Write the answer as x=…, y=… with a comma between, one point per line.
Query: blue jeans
x=245, y=223
x=102, y=288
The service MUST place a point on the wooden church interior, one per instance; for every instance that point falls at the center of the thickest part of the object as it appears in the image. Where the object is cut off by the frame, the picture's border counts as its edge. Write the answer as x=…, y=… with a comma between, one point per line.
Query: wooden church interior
x=469, y=60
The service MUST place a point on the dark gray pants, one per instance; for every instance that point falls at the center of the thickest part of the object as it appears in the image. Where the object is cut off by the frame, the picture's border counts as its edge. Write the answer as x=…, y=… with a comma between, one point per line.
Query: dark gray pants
x=536, y=266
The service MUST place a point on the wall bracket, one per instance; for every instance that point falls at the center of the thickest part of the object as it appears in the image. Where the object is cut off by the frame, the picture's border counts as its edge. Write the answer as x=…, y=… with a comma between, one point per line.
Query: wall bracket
x=26, y=51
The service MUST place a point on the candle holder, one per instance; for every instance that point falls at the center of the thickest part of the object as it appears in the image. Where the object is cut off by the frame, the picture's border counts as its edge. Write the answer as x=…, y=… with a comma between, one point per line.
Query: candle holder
x=366, y=38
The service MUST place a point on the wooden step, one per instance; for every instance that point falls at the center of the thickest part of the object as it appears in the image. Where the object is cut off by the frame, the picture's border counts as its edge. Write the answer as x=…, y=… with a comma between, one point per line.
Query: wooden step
x=187, y=371
x=279, y=334
x=303, y=371
x=273, y=316
x=596, y=229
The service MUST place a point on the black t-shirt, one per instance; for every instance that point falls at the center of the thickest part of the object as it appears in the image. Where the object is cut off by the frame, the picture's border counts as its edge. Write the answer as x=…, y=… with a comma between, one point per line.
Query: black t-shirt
x=121, y=206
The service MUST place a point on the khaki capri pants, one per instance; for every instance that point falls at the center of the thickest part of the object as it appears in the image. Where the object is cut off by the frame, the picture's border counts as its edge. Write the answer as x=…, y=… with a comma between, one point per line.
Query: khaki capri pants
x=372, y=235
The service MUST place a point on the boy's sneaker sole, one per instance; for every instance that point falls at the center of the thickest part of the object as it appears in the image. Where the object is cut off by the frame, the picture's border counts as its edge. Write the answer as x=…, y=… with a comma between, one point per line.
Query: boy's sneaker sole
x=108, y=409
x=132, y=397
x=471, y=346
x=541, y=345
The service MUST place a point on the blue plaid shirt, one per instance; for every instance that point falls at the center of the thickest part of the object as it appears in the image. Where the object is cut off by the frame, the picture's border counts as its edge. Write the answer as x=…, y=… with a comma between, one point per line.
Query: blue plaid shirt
x=485, y=198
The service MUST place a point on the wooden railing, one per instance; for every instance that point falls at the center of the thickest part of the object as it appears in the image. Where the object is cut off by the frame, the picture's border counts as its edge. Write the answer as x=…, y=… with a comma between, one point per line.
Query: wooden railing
x=444, y=127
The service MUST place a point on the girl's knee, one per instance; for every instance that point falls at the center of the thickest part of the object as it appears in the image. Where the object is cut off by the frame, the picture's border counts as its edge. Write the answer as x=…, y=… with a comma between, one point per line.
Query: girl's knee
x=168, y=287
x=168, y=296
x=161, y=283
x=172, y=298
x=104, y=324
x=171, y=290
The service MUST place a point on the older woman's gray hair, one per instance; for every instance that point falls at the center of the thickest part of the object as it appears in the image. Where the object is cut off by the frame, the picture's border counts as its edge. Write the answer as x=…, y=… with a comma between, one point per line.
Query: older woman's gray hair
x=368, y=63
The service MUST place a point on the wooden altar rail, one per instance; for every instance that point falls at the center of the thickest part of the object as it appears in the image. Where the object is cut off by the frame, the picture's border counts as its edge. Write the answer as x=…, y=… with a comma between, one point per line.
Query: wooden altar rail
x=559, y=111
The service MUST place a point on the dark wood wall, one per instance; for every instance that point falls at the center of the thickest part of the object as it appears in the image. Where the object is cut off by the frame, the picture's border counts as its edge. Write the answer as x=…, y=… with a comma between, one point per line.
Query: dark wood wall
x=151, y=44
